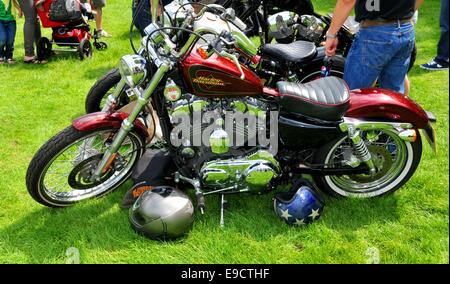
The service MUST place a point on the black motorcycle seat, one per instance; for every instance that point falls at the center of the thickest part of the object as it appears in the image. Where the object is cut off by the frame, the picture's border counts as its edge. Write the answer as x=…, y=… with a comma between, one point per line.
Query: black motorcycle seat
x=299, y=51
x=325, y=99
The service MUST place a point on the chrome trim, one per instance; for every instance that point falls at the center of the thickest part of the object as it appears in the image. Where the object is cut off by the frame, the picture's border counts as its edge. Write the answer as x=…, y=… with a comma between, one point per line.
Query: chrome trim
x=363, y=125
x=133, y=69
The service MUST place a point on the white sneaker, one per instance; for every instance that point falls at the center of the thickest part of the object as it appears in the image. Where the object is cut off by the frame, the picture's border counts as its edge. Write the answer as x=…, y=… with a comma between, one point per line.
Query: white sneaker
x=103, y=33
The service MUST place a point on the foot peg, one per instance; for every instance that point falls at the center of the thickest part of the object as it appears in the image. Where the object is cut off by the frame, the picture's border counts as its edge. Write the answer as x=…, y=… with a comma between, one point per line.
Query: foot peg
x=200, y=202
x=198, y=193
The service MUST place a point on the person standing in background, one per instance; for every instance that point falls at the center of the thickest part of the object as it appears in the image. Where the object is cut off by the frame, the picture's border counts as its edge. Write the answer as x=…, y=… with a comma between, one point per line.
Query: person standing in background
x=31, y=30
x=98, y=6
x=440, y=62
x=7, y=30
x=382, y=47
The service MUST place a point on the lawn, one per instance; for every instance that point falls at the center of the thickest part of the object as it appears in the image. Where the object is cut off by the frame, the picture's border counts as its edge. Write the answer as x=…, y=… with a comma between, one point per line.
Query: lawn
x=38, y=101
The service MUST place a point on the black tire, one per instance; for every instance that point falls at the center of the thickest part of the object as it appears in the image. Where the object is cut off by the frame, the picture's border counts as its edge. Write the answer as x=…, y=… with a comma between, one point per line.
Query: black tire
x=84, y=49
x=312, y=72
x=43, y=49
x=99, y=93
x=326, y=184
x=51, y=150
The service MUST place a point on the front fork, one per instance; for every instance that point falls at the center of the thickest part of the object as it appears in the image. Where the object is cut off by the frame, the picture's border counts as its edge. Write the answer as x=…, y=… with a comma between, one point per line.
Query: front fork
x=127, y=124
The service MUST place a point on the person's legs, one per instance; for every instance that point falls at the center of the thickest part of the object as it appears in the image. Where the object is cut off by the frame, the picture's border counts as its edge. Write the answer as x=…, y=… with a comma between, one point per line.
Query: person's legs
x=368, y=55
x=141, y=15
x=441, y=62
x=393, y=74
x=99, y=19
x=3, y=38
x=31, y=28
x=11, y=35
x=442, y=55
x=98, y=8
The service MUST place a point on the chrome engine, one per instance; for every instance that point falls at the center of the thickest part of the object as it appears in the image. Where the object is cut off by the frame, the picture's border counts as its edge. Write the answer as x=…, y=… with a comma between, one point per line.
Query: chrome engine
x=311, y=28
x=253, y=173
x=224, y=165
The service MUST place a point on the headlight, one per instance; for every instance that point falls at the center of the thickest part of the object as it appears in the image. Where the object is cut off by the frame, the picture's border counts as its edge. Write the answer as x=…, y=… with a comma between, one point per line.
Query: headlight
x=133, y=69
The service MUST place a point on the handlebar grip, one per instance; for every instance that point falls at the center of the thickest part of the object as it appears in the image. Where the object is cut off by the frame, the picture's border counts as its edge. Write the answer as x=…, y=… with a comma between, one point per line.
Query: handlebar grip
x=239, y=24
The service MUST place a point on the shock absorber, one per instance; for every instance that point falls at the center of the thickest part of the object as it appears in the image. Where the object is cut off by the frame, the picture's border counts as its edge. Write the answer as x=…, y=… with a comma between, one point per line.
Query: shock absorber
x=361, y=149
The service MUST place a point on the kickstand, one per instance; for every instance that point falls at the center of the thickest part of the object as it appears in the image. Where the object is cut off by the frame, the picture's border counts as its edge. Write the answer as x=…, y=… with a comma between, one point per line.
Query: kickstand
x=223, y=205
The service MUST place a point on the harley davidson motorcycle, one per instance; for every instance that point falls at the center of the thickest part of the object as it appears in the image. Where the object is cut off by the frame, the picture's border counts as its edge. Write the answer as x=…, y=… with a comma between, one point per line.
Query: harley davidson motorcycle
x=362, y=143
x=300, y=61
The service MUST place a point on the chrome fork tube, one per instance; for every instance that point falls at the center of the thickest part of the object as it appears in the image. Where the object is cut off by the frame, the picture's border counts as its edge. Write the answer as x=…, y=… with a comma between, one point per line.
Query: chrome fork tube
x=112, y=99
x=127, y=124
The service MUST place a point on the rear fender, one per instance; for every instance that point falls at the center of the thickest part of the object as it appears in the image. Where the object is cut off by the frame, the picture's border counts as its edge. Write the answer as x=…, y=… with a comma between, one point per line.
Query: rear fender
x=99, y=120
x=382, y=104
x=376, y=103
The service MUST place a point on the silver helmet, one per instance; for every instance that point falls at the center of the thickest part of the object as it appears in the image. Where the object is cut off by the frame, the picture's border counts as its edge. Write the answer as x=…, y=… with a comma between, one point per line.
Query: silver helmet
x=164, y=213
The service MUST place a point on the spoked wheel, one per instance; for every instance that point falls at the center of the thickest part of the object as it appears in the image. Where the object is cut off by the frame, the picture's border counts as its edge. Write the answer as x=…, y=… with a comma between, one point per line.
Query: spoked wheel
x=85, y=49
x=101, y=90
x=43, y=49
x=60, y=173
x=395, y=159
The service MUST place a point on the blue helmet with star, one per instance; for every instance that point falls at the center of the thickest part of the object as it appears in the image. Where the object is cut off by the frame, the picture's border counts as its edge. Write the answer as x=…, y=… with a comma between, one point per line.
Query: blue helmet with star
x=301, y=205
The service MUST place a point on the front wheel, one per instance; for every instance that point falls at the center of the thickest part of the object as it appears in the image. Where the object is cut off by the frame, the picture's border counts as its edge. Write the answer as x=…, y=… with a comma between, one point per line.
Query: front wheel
x=395, y=159
x=60, y=173
x=105, y=86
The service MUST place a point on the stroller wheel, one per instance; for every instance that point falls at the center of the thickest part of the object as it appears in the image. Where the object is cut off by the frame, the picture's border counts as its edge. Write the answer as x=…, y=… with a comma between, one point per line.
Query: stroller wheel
x=85, y=49
x=100, y=45
x=43, y=48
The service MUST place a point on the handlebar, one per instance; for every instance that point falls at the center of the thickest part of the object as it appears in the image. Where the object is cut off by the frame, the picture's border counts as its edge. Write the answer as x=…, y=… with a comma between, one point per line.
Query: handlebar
x=215, y=46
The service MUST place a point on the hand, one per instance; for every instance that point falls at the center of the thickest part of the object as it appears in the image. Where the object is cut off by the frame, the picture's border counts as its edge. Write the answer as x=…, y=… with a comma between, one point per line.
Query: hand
x=331, y=46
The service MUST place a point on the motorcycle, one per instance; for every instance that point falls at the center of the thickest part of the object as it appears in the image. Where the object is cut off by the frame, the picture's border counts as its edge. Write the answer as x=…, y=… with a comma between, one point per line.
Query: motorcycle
x=365, y=143
x=298, y=61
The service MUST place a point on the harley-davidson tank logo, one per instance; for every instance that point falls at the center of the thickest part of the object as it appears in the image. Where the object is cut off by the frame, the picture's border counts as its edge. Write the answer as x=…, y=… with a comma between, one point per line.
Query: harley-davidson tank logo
x=211, y=81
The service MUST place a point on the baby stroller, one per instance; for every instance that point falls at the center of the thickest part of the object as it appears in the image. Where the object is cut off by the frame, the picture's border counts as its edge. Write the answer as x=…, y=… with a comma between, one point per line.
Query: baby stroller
x=69, y=22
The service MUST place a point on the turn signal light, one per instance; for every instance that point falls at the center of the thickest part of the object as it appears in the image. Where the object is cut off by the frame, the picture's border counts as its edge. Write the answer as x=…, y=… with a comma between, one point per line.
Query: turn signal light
x=409, y=135
x=202, y=52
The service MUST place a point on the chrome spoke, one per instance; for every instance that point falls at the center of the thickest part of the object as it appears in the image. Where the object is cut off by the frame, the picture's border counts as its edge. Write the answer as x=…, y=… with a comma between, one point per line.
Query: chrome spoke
x=56, y=179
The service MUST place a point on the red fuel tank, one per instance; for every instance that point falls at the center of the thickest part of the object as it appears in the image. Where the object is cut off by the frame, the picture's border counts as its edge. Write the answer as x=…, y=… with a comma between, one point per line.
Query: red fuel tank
x=218, y=77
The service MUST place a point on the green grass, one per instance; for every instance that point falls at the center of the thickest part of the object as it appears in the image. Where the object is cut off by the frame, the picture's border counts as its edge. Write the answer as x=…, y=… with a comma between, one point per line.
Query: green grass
x=37, y=101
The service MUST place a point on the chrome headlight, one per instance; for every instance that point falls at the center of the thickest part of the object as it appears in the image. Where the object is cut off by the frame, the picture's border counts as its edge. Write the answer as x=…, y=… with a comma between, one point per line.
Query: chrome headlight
x=133, y=69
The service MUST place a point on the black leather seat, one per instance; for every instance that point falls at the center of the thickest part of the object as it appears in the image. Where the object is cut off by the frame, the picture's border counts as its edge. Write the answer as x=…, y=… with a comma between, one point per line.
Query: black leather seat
x=326, y=99
x=299, y=51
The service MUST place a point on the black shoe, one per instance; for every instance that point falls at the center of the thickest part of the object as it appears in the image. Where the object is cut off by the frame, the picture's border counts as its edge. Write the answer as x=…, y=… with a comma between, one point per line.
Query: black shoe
x=434, y=66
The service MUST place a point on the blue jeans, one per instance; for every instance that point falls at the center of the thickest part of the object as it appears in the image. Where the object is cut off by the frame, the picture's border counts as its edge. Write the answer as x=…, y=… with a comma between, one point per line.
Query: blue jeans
x=141, y=15
x=380, y=52
x=442, y=55
x=7, y=36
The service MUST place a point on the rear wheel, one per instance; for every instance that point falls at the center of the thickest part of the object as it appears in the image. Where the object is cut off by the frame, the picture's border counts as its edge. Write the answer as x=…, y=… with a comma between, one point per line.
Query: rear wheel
x=313, y=72
x=395, y=160
x=59, y=174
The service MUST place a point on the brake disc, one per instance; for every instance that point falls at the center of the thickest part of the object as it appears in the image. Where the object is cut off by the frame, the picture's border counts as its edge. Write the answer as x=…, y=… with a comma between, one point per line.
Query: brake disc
x=383, y=161
x=80, y=176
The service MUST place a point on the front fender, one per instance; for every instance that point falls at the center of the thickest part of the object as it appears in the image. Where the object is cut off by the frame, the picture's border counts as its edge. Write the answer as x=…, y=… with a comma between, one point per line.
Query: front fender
x=98, y=120
x=376, y=103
